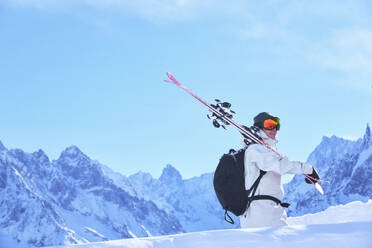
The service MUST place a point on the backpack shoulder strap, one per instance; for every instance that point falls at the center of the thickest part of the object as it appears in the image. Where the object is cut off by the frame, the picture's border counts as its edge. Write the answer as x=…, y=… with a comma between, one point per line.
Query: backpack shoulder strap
x=254, y=197
x=255, y=184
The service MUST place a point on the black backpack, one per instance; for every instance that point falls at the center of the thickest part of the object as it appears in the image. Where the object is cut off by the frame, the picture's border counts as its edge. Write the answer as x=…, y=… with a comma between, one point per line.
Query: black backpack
x=229, y=185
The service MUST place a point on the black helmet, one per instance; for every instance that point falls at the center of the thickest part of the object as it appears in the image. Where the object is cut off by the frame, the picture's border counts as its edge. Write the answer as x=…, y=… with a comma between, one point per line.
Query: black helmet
x=263, y=116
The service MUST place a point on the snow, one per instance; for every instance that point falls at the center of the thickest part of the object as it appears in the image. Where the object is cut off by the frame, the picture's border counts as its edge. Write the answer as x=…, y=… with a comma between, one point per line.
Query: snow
x=356, y=211
x=340, y=226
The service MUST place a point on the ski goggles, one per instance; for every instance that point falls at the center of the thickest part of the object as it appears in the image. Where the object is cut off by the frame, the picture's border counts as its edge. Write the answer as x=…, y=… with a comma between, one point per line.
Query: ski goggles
x=270, y=124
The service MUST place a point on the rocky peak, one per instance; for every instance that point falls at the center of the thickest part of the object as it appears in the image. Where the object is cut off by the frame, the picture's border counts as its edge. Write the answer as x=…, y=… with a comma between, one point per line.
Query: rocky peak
x=72, y=152
x=141, y=177
x=2, y=147
x=76, y=164
x=367, y=139
x=73, y=156
x=170, y=175
x=41, y=156
x=334, y=147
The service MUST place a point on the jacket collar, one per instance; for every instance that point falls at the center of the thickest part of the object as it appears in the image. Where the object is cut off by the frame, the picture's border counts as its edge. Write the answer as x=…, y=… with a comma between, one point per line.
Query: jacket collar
x=269, y=141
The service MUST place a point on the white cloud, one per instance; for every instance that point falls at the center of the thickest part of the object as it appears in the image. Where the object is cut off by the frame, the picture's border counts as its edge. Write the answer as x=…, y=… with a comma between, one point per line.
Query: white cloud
x=32, y=3
x=146, y=9
x=348, y=51
x=332, y=36
x=149, y=9
x=345, y=49
x=342, y=42
x=261, y=30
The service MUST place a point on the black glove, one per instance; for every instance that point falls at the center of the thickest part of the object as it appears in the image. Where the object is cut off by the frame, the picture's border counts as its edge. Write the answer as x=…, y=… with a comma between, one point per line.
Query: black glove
x=313, y=175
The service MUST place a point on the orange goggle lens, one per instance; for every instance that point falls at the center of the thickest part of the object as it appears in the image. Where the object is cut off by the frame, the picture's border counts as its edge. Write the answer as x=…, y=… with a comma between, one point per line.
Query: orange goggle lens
x=271, y=124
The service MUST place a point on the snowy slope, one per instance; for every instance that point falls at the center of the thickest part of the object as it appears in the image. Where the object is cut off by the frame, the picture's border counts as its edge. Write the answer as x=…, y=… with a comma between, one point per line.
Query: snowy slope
x=344, y=228
x=351, y=212
x=346, y=164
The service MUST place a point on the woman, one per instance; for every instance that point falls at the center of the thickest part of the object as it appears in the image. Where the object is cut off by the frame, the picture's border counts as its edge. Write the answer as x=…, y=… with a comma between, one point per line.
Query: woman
x=263, y=213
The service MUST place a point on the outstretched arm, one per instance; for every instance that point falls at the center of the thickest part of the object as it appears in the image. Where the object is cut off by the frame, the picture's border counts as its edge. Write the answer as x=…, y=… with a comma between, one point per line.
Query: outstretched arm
x=267, y=160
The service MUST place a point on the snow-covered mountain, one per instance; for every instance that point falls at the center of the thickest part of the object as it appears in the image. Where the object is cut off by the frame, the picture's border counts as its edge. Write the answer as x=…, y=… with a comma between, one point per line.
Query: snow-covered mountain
x=192, y=201
x=346, y=164
x=70, y=200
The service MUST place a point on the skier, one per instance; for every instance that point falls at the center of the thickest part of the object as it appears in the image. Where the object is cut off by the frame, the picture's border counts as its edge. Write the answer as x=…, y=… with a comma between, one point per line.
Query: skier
x=264, y=213
x=236, y=191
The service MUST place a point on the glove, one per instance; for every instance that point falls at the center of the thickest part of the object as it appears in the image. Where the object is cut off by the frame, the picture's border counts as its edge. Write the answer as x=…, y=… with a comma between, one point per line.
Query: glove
x=313, y=175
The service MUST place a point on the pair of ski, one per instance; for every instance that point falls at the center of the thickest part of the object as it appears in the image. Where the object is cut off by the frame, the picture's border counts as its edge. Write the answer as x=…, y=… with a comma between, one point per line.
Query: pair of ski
x=222, y=115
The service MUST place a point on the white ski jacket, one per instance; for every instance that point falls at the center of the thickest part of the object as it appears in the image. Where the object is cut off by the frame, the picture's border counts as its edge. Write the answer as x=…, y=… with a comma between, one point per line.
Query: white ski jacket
x=263, y=213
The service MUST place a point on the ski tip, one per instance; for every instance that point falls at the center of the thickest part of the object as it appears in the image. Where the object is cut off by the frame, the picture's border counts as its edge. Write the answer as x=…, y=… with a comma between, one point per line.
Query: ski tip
x=170, y=76
x=173, y=79
x=319, y=188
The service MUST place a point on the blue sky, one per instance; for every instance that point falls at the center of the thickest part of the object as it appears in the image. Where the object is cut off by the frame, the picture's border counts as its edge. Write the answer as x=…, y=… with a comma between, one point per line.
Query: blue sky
x=89, y=73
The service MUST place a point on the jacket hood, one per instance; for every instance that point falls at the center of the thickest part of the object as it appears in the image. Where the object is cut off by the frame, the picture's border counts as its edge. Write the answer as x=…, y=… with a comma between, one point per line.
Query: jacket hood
x=267, y=139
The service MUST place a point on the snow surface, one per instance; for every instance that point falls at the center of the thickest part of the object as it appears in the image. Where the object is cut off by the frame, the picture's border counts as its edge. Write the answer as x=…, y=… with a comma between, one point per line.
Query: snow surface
x=340, y=226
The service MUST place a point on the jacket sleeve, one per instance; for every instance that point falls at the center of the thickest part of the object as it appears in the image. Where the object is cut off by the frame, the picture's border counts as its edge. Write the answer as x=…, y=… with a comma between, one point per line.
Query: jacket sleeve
x=267, y=160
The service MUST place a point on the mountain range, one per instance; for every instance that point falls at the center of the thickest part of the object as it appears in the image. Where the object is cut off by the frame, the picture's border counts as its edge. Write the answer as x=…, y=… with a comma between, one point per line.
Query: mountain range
x=70, y=200
x=75, y=199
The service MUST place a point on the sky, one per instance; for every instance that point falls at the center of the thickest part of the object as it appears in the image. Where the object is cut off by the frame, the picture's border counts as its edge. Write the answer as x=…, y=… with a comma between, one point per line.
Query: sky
x=90, y=74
